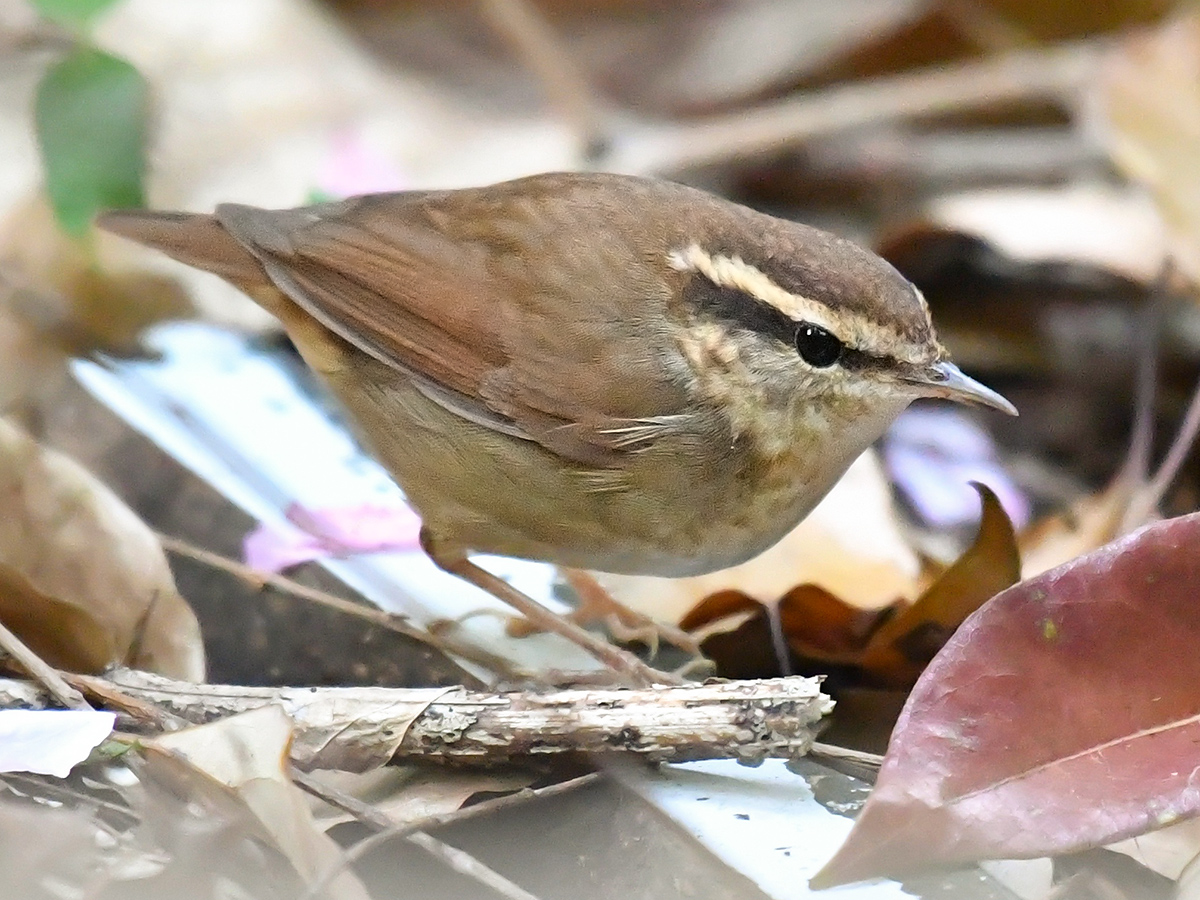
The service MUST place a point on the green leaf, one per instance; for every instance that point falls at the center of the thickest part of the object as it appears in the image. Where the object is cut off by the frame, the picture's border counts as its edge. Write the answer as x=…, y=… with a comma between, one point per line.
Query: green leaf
x=71, y=12
x=91, y=125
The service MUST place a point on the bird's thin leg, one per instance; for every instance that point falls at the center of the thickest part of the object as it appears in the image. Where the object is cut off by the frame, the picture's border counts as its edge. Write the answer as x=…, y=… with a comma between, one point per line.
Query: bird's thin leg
x=455, y=562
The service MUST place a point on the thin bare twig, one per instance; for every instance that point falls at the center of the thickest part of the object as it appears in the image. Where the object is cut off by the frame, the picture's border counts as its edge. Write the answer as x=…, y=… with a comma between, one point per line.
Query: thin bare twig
x=416, y=833
x=904, y=152
x=855, y=763
x=1052, y=73
x=1148, y=494
x=1149, y=325
x=143, y=712
x=391, y=621
x=463, y=814
x=779, y=642
x=533, y=39
x=1148, y=499
x=465, y=864
x=45, y=674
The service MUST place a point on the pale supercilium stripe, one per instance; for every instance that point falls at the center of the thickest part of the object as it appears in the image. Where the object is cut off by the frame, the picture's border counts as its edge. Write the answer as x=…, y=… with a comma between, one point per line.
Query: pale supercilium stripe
x=851, y=328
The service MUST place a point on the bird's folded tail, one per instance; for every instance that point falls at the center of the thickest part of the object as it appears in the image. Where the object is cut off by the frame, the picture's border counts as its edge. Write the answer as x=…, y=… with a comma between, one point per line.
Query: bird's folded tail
x=193, y=238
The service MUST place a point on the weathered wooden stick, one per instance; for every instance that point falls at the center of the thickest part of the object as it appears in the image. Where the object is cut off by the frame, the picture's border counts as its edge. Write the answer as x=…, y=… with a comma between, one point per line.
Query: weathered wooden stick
x=356, y=729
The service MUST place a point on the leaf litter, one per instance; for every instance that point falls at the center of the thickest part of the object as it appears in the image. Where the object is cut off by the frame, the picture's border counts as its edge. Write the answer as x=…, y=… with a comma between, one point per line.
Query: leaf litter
x=1144, y=75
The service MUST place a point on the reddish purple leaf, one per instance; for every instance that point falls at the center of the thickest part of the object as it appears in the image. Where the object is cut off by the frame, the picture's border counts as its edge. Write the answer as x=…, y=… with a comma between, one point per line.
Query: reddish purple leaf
x=1064, y=714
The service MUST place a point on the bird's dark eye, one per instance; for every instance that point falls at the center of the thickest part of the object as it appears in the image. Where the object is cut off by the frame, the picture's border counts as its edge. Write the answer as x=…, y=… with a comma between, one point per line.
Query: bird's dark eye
x=817, y=346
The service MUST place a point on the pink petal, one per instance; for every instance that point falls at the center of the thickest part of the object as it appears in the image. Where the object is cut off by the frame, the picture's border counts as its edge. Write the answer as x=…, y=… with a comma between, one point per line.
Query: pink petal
x=337, y=531
x=354, y=167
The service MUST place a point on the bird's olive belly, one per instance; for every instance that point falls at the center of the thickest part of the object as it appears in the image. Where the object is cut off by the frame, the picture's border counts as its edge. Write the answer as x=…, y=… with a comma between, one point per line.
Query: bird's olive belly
x=488, y=492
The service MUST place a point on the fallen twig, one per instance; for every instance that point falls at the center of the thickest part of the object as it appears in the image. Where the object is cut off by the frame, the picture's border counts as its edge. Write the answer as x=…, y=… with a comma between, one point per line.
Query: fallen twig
x=1052, y=73
x=391, y=621
x=856, y=763
x=386, y=829
x=46, y=675
x=357, y=729
x=533, y=39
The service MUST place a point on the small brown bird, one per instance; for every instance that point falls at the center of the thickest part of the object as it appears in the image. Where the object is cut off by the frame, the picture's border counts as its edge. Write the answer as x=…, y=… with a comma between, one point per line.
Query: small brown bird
x=598, y=371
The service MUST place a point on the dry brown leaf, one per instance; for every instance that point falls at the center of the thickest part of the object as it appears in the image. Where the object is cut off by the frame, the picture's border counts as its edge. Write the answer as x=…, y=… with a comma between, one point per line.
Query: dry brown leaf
x=878, y=649
x=237, y=766
x=901, y=647
x=823, y=634
x=1089, y=224
x=81, y=294
x=1091, y=523
x=30, y=365
x=1147, y=102
x=817, y=624
x=1056, y=21
x=83, y=581
x=850, y=545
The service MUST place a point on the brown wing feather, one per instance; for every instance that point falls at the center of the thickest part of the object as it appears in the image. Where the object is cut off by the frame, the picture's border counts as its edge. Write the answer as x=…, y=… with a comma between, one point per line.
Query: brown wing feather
x=406, y=308
x=191, y=238
x=439, y=289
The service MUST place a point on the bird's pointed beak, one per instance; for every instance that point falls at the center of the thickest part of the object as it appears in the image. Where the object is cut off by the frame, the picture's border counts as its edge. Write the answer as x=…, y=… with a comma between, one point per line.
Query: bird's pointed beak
x=947, y=380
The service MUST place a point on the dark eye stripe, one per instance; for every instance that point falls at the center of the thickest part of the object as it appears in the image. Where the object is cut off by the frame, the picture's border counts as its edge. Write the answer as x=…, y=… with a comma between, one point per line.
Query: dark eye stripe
x=735, y=307
x=726, y=304
x=858, y=360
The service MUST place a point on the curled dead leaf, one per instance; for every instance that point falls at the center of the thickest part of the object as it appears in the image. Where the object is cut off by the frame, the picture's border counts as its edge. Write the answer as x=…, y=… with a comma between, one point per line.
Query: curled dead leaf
x=236, y=767
x=869, y=648
x=901, y=647
x=83, y=581
x=824, y=634
x=1147, y=105
x=82, y=295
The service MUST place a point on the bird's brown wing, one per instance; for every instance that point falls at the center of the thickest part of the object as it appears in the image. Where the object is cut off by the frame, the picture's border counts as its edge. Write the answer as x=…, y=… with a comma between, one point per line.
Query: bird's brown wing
x=383, y=274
